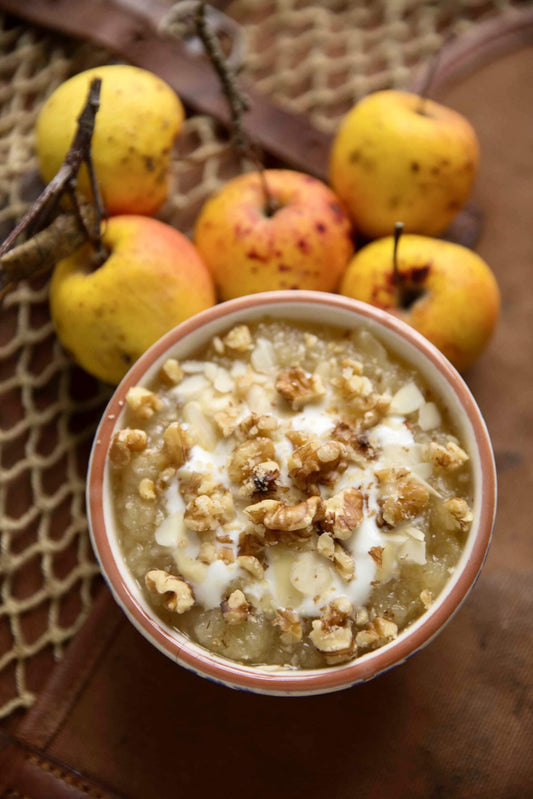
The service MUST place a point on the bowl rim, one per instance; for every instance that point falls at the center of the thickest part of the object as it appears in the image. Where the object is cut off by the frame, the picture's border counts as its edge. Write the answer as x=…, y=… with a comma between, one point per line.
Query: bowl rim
x=278, y=681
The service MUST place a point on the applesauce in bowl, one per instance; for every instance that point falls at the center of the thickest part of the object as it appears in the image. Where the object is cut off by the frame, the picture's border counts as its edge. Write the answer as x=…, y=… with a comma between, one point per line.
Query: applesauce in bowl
x=291, y=496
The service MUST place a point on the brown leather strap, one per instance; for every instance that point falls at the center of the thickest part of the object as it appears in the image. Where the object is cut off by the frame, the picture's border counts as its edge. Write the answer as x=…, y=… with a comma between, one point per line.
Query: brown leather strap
x=133, y=36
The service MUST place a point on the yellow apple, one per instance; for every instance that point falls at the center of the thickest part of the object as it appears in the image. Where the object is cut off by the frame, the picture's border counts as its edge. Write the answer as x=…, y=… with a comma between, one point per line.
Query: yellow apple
x=304, y=244
x=391, y=160
x=152, y=280
x=446, y=292
x=138, y=119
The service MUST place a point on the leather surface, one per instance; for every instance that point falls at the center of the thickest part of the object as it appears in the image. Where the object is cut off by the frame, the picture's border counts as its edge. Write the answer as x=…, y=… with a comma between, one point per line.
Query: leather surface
x=456, y=720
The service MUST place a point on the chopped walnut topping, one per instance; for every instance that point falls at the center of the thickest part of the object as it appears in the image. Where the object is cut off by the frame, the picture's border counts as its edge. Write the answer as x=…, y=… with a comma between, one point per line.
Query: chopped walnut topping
x=239, y=339
x=361, y=617
x=376, y=553
x=426, y=597
x=251, y=545
x=143, y=403
x=366, y=638
x=171, y=372
x=344, y=563
x=180, y=593
x=385, y=628
x=226, y=555
x=263, y=478
x=290, y=518
x=363, y=401
x=235, y=608
x=124, y=443
x=406, y=496
x=360, y=447
x=314, y=462
x=343, y=513
x=376, y=633
x=332, y=633
x=196, y=483
x=298, y=388
x=207, y=553
x=247, y=456
x=326, y=546
x=250, y=564
x=256, y=425
x=205, y=513
x=147, y=489
x=449, y=457
x=460, y=511
x=289, y=623
x=176, y=444
x=227, y=420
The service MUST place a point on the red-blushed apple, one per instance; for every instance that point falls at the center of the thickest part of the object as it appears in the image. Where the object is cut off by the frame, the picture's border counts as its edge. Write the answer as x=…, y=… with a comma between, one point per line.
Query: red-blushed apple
x=152, y=280
x=396, y=156
x=445, y=291
x=304, y=244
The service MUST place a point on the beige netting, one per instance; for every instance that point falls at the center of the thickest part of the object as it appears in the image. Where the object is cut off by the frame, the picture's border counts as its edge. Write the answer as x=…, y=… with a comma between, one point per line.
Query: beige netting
x=315, y=58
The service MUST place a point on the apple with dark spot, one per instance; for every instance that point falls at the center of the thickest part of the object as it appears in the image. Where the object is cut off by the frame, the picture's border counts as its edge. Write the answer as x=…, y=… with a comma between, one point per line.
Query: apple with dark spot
x=304, y=242
x=445, y=291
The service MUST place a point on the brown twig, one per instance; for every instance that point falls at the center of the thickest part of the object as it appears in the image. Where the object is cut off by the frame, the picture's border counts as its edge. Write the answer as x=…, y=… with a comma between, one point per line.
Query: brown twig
x=237, y=101
x=12, y=265
x=40, y=253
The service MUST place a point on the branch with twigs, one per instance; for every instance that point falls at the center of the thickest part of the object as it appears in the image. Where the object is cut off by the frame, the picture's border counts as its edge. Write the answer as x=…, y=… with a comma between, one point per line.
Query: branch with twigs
x=236, y=99
x=68, y=230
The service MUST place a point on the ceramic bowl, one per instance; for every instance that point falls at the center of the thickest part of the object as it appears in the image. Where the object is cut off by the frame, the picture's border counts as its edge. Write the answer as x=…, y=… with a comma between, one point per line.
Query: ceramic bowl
x=329, y=309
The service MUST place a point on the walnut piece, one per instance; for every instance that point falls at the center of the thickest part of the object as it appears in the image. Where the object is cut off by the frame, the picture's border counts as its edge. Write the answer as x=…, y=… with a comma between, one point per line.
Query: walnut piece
x=461, y=512
x=206, y=512
x=235, y=608
x=426, y=597
x=315, y=462
x=147, y=489
x=251, y=564
x=176, y=445
x=376, y=633
x=290, y=625
x=263, y=478
x=257, y=425
x=376, y=553
x=406, y=496
x=124, y=443
x=343, y=513
x=171, y=372
x=239, y=339
x=142, y=402
x=247, y=456
x=449, y=457
x=344, y=563
x=361, y=450
x=299, y=388
x=290, y=518
x=180, y=596
x=226, y=420
x=332, y=634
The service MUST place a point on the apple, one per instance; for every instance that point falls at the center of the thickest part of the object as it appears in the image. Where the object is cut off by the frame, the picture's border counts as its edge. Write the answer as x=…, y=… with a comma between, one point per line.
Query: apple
x=396, y=156
x=304, y=244
x=445, y=291
x=152, y=280
x=138, y=119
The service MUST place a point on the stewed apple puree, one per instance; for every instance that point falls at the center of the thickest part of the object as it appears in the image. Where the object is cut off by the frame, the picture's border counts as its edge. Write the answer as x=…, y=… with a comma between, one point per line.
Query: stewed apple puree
x=290, y=495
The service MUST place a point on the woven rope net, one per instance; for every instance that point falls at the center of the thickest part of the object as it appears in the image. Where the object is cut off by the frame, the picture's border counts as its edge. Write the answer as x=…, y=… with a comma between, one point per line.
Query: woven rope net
x=312, y=58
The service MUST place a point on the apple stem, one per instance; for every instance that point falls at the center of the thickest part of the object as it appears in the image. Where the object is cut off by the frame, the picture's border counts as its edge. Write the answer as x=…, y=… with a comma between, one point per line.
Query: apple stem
x=26, y=260
x=237, y=101
x=396, y=277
